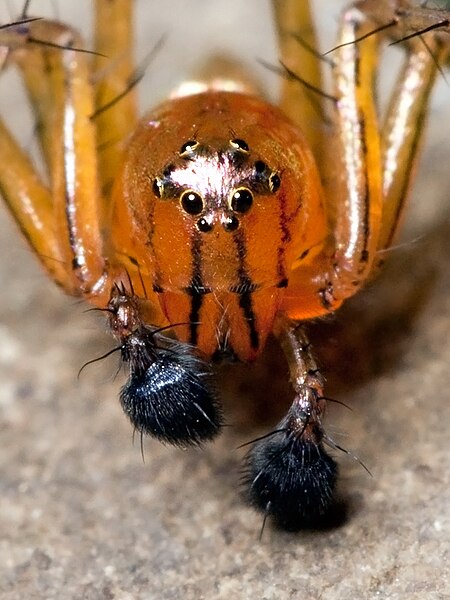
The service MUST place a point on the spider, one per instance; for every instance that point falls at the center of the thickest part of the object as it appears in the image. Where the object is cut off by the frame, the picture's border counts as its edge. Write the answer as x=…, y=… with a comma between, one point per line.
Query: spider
x=218, y=219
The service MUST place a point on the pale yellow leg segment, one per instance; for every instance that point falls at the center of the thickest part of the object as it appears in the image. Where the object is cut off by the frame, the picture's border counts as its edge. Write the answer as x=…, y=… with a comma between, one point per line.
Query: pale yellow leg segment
x=115, y=95
x=355, y=203
x=40, y=96
x=64, y=104
x=360, y=198
x=295, y=25
x=403, y=130
x=365, y=203
x=30, y=203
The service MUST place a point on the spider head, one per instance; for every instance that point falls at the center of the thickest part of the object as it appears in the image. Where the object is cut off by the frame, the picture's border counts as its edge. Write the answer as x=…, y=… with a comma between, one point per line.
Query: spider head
x=216, y=184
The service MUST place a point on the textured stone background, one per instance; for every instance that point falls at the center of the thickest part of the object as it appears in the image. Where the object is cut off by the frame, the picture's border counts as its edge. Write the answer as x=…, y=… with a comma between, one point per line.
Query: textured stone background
x=81, y=516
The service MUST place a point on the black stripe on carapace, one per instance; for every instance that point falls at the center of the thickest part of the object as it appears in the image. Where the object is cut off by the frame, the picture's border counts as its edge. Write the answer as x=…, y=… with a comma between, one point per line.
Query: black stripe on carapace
x=245, y=297
x=196, y=305
x=195, y=288
x=246, y=304
x=283, y=283
x=285, y=237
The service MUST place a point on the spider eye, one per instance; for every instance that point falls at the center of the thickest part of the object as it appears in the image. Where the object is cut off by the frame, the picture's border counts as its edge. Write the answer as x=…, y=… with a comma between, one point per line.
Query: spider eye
x=191, y=202
x=204, y=225
x=230, y=223
x=241, y=200
x=188, y=147
x=260, y=166
x=274, y=182
x=239, y=144
x=157, y=188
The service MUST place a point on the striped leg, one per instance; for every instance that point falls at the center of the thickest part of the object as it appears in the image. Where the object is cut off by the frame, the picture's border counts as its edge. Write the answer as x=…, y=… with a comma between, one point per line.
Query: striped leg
x=56, y=73
x=30, y=203
x=115, y=94
x=425, y=32
x=298, y=52
x=290, y=475
x=403, y=130
x=355, y=200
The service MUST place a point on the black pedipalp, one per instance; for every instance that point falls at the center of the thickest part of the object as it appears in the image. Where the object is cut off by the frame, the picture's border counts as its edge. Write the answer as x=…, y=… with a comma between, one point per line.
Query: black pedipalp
x=169, y=393
x=291, y=480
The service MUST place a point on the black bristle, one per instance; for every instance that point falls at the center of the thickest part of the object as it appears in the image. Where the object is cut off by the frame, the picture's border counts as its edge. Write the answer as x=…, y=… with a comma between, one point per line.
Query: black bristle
x=292, y=480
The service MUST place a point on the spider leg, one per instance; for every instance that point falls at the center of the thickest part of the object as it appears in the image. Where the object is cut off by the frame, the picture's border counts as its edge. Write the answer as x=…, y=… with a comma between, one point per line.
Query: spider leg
x=404, y=127
x=368, y=190
x=321, y=280
x=115, y=92
x=19, y=182
x=56, y=74
x=298, y=52
x=424, y=31
x=413, y=19
x=169, y=393
x=358, y=193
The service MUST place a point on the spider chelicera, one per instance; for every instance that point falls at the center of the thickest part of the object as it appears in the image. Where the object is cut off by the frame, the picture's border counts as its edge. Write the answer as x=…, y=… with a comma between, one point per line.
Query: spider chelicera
x=218, y=219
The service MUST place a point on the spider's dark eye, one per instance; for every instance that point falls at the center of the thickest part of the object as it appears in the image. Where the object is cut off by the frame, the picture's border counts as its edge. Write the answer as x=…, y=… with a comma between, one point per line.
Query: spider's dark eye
x=274, y=182
x=157, y=188
x=191, y=202
x=204, y=225
x=241, y=200
x=188, y=147
x=260, y=166
x=239, y=144
x=231, y=223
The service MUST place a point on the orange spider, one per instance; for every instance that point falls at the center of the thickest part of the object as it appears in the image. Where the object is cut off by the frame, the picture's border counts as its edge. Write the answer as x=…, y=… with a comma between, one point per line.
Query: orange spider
x=210, y=219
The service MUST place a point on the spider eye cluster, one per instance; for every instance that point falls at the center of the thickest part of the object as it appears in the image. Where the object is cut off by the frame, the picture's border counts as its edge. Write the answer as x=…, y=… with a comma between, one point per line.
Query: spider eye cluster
x=244, y=177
